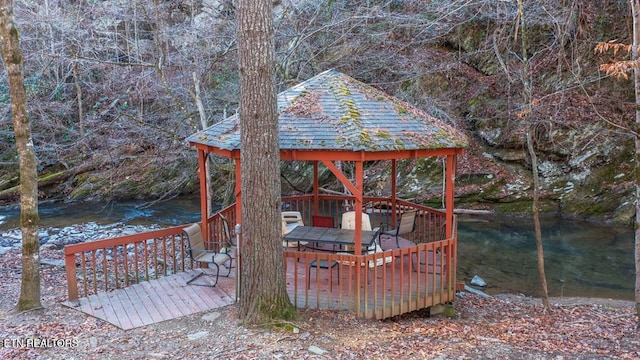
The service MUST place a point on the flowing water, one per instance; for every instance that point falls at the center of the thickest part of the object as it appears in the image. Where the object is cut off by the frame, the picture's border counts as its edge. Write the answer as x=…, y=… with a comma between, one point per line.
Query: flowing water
x=581, y=258
x=173, y=212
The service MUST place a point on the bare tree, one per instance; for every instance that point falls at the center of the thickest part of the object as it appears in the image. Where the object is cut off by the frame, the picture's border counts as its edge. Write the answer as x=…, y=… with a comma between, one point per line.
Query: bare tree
x=527, y=115
x=620, y=69
x=29, y=220
x=263, y=294
x=635, y=9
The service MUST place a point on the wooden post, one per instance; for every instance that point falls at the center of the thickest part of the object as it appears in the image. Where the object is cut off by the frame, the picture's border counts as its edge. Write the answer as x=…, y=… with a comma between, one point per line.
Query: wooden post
x=359, y=181
x=449, y=191
x=72, y=281
x=394, y=192
x=204, y=208
x=316, y=189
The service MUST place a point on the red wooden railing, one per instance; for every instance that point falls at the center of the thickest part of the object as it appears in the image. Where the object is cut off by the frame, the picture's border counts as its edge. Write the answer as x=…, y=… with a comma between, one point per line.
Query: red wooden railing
x=430, y=223
x=110, y=264
x=402, y=280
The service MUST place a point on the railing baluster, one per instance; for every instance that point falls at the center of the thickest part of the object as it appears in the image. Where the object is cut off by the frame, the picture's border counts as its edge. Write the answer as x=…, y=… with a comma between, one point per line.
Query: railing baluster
x=164, y=256
x=154, y=265
x=125, y=265
x=135, y=261
x=115, y=267
x=173, y=254
x=104, y=269
x=83, y=262
x=146, y=260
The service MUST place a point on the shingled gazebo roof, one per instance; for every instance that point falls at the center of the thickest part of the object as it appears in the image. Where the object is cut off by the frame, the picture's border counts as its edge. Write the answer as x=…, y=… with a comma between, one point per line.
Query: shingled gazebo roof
x=334, y=112
x=332, y=118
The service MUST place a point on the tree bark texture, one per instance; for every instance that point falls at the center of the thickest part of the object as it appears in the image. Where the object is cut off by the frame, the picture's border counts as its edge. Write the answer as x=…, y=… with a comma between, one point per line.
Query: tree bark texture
x=29, y=220
x=635, y=10
x=263, y=295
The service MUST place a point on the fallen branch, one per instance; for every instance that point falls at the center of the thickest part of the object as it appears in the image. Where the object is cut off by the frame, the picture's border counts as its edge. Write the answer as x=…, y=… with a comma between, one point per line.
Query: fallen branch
x=48, y=179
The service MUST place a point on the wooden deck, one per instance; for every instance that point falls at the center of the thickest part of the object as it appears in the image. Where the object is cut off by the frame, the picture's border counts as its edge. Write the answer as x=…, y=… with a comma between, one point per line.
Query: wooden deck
x=150, y=302
x=398, y=285
x=411, y=279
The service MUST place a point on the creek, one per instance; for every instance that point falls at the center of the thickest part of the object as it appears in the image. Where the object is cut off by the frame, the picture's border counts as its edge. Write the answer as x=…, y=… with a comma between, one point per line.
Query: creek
x=582, y=259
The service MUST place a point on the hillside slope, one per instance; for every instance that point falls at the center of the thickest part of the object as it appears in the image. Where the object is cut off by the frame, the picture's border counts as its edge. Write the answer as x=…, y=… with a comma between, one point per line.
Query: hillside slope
x=116, y=87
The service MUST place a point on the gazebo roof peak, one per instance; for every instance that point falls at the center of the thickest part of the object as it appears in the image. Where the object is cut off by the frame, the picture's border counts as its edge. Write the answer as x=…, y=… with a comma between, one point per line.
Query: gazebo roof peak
x=332, y=111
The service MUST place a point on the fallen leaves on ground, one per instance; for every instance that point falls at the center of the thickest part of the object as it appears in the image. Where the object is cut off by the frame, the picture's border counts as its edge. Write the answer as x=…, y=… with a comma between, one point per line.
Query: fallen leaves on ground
x=504, y=326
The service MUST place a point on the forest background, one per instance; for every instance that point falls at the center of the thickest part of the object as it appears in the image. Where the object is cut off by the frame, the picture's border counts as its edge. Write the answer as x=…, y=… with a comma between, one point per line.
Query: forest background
x=116, y=86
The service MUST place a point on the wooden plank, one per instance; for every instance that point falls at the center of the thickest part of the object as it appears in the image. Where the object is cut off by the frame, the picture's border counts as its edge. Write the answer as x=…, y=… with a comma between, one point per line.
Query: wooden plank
x=165, y=307
x=109, y=309
x=120, y=308
x=169, y=294
x=85, y=306
x=99, y=309
x=188, y=295
x=199, y=294
x=129, y=312
x=154, y=301
x=145, y=300
x=95, y=307
x=143, y=317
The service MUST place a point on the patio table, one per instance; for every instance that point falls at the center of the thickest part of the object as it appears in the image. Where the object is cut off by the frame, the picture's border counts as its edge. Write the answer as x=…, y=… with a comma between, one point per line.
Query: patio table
x=324, y=235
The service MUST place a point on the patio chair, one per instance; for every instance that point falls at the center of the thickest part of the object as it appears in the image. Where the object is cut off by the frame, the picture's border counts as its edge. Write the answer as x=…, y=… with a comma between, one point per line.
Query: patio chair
x=322, y=264
x=373, y=248
x=201, y=255
x=322, y=221
x=349, y=221
x=376, y=248
x=406, y=225
x=291, y=220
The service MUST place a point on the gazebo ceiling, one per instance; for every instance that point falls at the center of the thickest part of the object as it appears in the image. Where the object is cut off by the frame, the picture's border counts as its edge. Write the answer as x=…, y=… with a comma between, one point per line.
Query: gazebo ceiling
x=334, y=112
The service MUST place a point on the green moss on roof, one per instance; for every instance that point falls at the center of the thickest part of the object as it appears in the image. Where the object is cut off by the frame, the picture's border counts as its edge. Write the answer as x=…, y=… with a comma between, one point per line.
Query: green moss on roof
x=333, y=111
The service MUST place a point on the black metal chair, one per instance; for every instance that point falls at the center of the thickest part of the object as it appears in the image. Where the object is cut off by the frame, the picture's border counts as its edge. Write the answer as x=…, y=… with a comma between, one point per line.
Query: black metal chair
x=322, y=264
x=406, y=225
x=199, y=253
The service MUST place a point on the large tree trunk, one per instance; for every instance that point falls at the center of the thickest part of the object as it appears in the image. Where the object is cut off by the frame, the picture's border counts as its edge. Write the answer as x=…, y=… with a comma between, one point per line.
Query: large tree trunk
x=263, y=294
x=12, y=55
x=635, y=11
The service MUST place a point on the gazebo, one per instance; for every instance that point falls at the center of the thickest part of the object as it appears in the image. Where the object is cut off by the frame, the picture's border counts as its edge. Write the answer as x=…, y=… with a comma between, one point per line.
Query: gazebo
x=331, y=119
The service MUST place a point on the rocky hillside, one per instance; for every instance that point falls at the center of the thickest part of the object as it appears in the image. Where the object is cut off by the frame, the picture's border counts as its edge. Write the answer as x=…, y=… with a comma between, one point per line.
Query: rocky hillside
x=116, y=86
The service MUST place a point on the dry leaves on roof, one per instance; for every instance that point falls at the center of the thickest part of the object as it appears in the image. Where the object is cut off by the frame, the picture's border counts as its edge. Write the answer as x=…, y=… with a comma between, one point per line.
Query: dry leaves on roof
x=306, y=104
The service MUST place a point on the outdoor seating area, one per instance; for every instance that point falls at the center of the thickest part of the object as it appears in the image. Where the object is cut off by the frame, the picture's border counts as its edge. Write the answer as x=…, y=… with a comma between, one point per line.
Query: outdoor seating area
x=378, y=256
x=383, y=281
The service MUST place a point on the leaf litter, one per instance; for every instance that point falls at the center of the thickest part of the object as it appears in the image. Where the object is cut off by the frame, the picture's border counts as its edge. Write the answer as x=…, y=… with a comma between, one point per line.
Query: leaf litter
x=500, y=327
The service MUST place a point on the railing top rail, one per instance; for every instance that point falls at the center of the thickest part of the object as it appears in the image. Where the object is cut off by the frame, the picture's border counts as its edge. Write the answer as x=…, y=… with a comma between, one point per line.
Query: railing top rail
x=123, y=240
x=366, y=199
